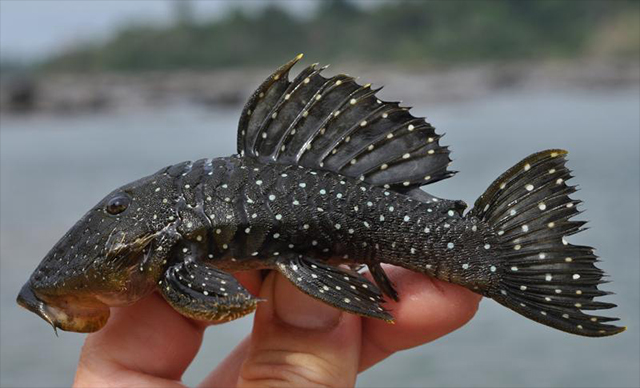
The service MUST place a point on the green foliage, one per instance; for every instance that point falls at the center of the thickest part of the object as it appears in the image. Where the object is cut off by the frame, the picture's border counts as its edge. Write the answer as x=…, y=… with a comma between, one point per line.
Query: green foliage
x=396, y=31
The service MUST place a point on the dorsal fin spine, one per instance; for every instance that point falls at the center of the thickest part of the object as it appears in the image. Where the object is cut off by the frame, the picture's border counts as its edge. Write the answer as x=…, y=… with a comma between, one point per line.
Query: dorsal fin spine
x=307, y=72
x=371, y=118
x=346, y=102
x=354, y=128
x=280, y=73
x=383, y=135
x=394, y=159
x=362, y=150
x=294, y=123
x=294, y=87
x=332, y=85
x=332, y=116
x=326, y=88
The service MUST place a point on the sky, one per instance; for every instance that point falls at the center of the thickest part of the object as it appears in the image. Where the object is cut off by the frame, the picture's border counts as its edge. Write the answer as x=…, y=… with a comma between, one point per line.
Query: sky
x=32, y=29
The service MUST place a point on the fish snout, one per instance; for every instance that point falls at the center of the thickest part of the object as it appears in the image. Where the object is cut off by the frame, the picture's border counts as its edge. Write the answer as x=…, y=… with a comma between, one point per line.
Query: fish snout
x=28, y=299
x=64, y=314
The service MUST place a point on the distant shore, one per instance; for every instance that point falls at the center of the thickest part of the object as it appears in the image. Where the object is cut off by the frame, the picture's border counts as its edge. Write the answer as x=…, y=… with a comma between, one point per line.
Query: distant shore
x=61, y=93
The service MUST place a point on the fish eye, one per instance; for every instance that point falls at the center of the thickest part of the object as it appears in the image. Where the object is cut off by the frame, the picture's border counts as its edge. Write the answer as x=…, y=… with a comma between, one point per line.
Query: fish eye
x=118, y=204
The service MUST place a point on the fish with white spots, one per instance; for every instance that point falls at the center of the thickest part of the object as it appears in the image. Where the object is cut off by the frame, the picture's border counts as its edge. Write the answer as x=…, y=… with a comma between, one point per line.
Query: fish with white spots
x=326, y=174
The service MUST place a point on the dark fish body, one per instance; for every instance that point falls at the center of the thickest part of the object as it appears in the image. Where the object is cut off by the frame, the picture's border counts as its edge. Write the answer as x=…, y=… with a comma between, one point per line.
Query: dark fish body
x=326, y=174
x=247, y=214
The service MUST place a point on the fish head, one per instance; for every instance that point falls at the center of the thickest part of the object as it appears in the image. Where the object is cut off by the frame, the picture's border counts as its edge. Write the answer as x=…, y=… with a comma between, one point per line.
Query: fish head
x=99, y=262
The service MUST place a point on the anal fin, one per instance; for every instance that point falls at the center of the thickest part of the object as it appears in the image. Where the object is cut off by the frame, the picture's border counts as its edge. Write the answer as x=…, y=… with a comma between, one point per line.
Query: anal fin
x=201, y=292
x=337, y=287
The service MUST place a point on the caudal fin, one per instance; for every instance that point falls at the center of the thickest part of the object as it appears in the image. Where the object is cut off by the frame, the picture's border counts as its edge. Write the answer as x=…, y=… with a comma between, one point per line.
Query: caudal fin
x=542, y=276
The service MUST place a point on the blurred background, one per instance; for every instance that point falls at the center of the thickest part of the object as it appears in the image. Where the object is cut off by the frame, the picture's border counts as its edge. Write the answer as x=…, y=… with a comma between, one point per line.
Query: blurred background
x=94, y=94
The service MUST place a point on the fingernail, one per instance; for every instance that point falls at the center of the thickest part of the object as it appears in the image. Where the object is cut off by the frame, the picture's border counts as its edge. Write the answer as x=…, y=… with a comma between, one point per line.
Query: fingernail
x=295, y=308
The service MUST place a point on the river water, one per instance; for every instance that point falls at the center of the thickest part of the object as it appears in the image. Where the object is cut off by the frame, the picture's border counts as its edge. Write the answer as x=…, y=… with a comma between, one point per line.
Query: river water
x=53, y=168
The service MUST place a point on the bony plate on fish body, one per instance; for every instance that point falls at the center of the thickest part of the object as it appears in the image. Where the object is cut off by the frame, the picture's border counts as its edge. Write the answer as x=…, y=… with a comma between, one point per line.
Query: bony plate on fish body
x=325, y=174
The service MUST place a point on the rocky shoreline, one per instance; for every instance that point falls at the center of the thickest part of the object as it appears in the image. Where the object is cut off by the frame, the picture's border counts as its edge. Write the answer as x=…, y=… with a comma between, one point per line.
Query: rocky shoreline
x=85, y=93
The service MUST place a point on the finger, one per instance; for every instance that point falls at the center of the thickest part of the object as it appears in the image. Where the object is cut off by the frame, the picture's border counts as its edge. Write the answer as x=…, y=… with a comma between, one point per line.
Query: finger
x=299, y=341
x=427, y=310
x=148, y=342
x=227, y=372
x=251, y=280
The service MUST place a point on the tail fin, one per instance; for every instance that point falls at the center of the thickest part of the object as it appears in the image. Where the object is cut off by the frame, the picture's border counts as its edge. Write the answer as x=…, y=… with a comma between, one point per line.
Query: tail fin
x=542, y=276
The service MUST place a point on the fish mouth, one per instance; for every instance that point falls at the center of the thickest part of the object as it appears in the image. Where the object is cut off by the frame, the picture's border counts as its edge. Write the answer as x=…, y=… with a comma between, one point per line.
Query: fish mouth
x=62, y=313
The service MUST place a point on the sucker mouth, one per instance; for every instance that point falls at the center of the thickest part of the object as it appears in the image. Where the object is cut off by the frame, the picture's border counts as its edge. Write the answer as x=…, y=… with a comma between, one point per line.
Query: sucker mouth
x=28, y=299
x=66, y=316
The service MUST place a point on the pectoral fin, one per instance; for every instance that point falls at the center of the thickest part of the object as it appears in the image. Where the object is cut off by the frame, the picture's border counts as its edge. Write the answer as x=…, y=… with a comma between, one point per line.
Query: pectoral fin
x=201, y=292
x=340, y=288
x=383, y=281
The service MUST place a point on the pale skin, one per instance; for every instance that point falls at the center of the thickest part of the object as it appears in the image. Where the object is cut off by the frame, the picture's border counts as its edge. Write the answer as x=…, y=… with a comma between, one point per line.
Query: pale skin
x=296, y=341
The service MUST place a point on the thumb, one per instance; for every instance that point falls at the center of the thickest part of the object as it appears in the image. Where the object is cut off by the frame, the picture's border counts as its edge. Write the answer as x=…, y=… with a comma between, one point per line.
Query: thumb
x=298, y=341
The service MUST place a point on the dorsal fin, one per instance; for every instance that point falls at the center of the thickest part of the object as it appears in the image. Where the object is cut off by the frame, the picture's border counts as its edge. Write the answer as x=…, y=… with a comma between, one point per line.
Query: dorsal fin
x=338, y=125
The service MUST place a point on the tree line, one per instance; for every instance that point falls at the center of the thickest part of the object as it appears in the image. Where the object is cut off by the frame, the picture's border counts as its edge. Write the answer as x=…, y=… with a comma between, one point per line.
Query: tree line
x=437, y=32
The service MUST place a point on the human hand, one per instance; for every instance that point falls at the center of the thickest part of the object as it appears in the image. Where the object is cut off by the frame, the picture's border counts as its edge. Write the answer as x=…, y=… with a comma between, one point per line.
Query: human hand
x=296, y=341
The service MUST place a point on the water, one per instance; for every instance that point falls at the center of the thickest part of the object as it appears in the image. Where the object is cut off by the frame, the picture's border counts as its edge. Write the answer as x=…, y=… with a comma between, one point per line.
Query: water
x=54, y=168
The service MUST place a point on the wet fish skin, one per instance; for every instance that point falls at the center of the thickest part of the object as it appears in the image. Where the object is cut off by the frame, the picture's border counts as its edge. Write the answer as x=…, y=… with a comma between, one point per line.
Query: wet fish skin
x=326, y=174
x=96, y=264
x=296, y=210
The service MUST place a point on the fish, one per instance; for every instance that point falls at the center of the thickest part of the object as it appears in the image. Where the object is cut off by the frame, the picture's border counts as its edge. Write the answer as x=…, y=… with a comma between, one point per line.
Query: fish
x=327, y=181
